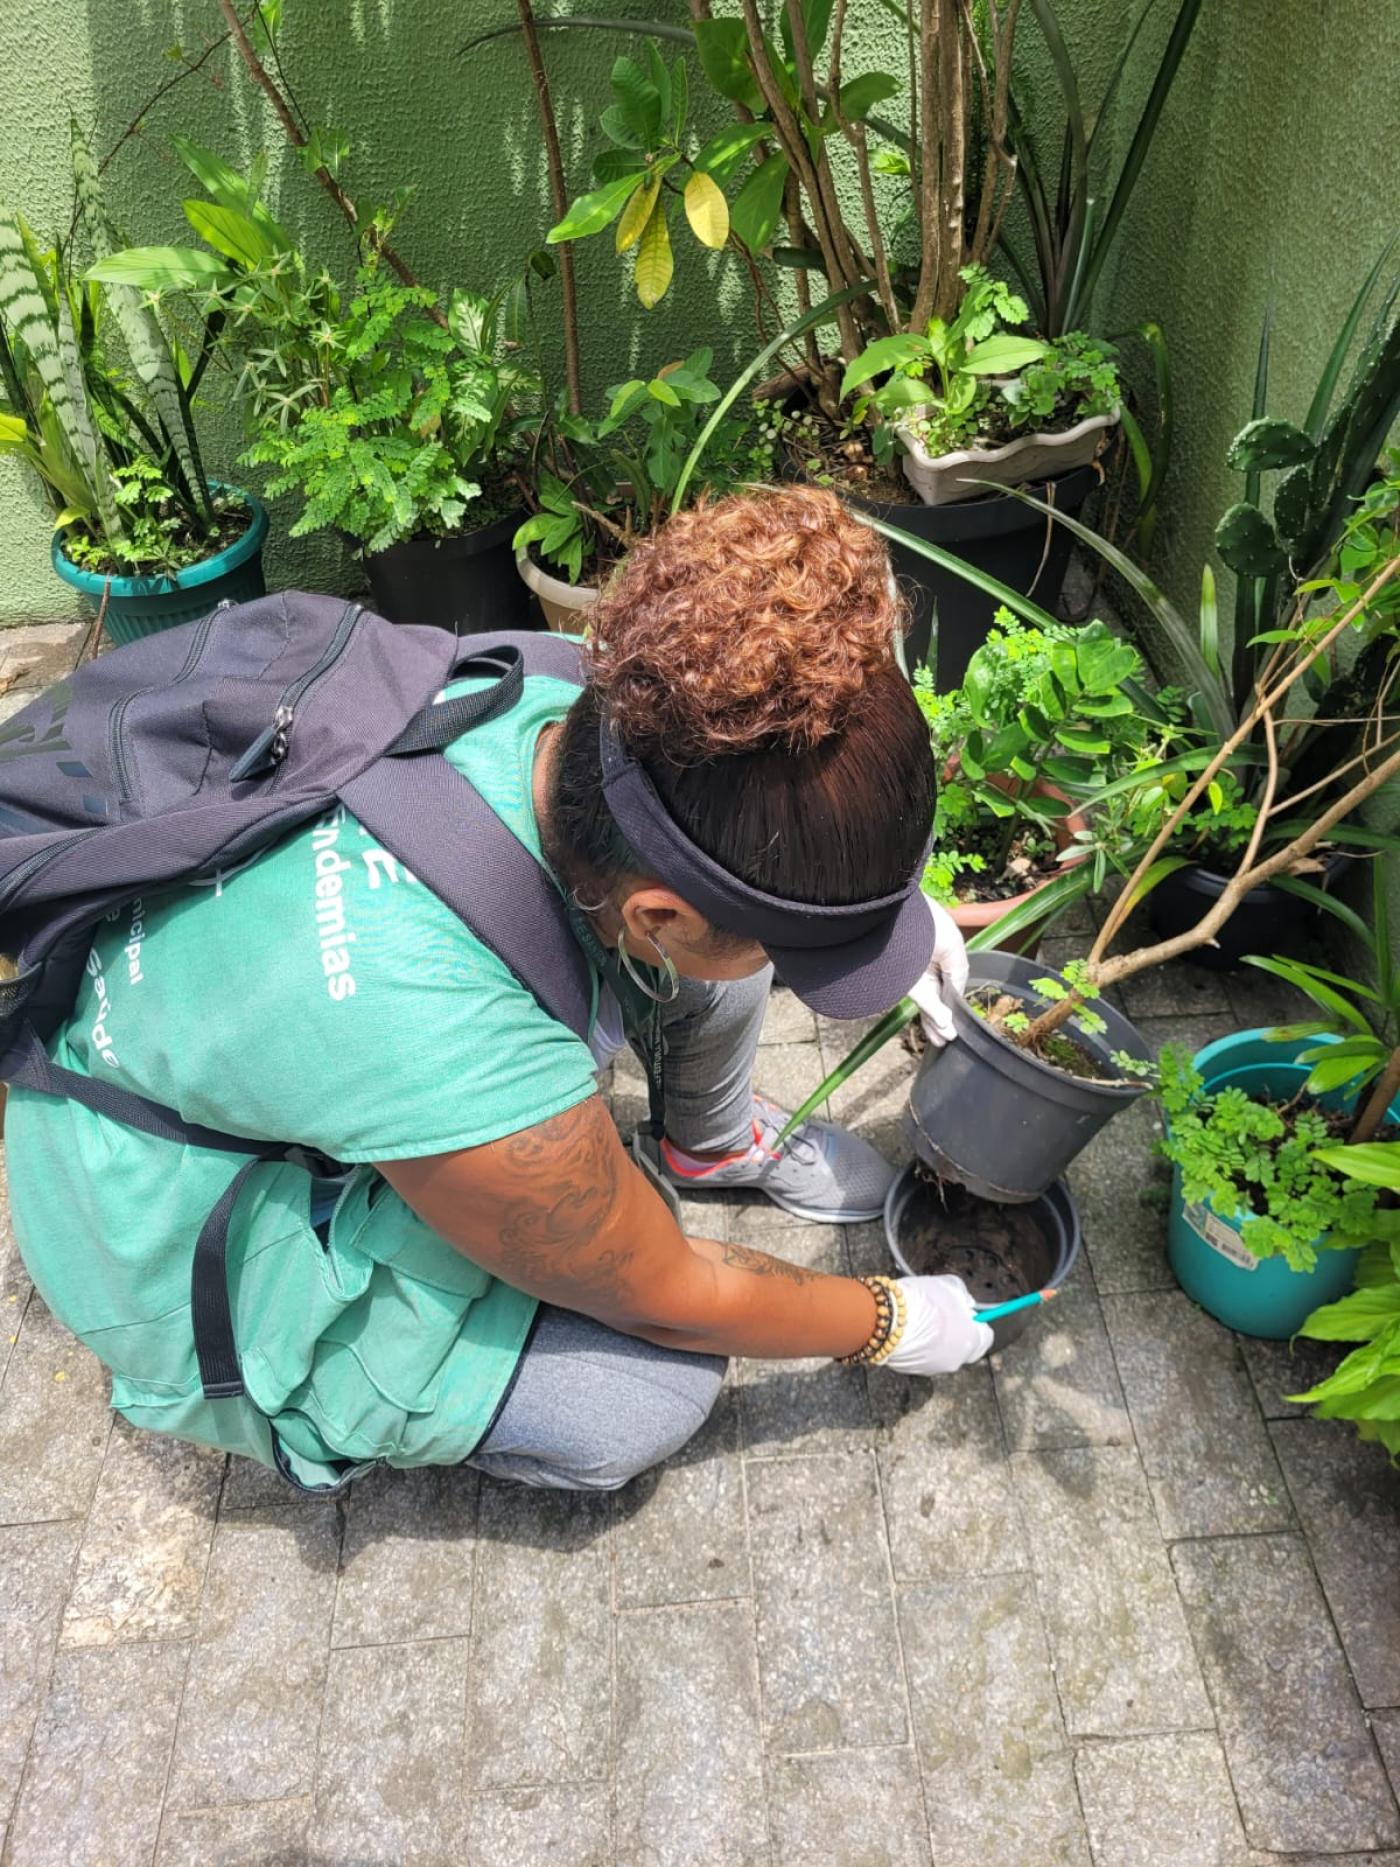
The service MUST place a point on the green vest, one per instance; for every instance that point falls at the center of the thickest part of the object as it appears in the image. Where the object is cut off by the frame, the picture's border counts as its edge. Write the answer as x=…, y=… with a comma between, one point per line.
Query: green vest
x=318, y=994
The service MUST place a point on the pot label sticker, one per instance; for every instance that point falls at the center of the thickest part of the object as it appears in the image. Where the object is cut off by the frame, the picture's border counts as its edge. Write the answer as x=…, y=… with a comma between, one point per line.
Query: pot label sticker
x=1220, y=1237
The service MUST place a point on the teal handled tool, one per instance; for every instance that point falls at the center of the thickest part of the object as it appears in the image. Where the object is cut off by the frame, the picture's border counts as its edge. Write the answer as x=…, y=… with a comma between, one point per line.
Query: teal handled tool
x=998, y=1310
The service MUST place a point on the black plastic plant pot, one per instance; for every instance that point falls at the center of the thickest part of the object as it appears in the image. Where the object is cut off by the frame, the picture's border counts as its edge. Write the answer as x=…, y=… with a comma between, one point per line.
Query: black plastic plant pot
x=989, y=1115
x=999, y=534
x=466, y=584
x=1266, y=920
x=999, y=1253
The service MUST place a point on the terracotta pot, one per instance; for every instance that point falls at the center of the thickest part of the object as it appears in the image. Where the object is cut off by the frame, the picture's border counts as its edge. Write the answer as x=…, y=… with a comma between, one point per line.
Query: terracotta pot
x=973, y=916
x=565, y=605
x=944, y=479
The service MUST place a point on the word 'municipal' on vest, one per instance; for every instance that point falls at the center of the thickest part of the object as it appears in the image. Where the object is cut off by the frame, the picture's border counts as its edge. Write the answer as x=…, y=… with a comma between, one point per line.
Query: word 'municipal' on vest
x=136, y=933
x=332, y=929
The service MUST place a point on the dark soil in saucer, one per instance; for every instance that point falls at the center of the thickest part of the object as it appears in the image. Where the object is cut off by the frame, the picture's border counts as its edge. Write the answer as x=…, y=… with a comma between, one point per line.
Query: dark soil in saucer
x=1000, y=1252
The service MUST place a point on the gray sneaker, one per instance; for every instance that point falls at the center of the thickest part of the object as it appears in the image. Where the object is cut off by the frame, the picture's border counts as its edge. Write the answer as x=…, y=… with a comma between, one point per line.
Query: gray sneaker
x=823, y=1173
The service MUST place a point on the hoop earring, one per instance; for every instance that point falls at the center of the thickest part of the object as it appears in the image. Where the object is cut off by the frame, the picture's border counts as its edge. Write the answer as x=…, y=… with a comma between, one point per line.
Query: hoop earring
x=629, y=966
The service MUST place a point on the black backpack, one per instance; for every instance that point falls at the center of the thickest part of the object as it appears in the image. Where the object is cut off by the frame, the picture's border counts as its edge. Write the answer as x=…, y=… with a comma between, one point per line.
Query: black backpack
x=188, y=751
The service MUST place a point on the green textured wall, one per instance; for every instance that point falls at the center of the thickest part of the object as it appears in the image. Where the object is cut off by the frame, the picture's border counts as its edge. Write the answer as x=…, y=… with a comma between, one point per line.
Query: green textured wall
x=1272, y=173
x=1277, y=176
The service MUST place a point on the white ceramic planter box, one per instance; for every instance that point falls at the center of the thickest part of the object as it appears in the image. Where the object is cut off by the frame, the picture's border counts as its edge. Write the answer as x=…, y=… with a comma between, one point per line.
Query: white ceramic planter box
x=943, y=479
x=563, y=603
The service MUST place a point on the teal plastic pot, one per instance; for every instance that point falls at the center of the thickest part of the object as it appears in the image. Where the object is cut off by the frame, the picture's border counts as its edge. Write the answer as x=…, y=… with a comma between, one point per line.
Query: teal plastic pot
x=140, y=606
x=1256, y=1296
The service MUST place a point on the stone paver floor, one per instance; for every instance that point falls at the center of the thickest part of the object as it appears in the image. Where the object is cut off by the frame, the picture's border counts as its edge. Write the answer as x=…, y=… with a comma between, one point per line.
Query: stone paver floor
x=1109, y=1601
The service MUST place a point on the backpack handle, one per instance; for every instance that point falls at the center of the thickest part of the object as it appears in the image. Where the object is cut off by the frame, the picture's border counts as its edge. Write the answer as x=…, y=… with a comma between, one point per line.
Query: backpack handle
x=433, y=728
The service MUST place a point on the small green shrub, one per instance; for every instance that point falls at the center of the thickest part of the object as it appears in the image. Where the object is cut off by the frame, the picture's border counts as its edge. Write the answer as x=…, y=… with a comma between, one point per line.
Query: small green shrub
x=1260, y=1161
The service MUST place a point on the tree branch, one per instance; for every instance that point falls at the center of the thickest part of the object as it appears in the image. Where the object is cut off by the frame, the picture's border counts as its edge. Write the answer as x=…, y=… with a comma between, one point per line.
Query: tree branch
x=857, y=266
x=1378, y=1102
x=1244, y=731
x=1126, y=965
x=258, y=72
x=931, y=168
x=854, y=134
x=559, y=196
x=795, y=149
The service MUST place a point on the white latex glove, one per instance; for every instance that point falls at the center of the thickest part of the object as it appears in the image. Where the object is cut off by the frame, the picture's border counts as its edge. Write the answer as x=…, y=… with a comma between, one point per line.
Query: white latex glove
x=947, y=972
x=941, y=1331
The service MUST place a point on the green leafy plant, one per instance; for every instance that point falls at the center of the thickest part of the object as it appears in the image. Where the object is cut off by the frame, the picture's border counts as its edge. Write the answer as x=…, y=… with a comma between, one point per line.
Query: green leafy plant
x=1042, y=712
x=646, y=127
x=1075, y=211
x=389, y=415
x=767, y=185
x=417, y=412
x=1365, y=1387
x=1364, y=1018
x=949, y=381
x=612, y=480
x=96, y=398
x=1270, y=1165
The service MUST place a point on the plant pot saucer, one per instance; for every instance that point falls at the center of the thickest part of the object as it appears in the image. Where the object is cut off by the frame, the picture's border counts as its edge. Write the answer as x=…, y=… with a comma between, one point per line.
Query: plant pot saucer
x=999, y=1252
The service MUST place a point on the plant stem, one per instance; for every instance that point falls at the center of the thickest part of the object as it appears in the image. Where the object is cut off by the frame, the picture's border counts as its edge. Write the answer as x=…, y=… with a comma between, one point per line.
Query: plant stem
x=929, y=142
x=854, y=260
x=1379, y=1100
x=1110, y=971
x=854, y=134
x=559, y=198
x=1266, y=702
x=258, y=72
x=954, y=128
x=794, y=145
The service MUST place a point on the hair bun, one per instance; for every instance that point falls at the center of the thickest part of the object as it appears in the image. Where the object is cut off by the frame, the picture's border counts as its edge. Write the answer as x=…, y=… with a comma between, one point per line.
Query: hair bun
x=749, y=624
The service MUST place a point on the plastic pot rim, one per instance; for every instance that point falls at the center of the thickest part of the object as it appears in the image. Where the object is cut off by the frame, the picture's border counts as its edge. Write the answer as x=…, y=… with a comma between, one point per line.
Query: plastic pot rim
x=970, y=1025
x=208, y=570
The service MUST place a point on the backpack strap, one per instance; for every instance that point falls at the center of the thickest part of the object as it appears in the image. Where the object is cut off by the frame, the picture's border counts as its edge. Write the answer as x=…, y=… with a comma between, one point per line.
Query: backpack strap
x=439, y=826
x=425, y=812
x=28, y=1064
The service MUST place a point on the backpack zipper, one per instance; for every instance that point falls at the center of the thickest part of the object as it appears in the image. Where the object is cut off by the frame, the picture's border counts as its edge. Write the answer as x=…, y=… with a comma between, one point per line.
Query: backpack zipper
x=116, y=749
x=271, y=746
x=17, y=879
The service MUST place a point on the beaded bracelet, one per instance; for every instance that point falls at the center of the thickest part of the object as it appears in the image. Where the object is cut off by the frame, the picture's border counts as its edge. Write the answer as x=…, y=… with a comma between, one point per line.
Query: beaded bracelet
x=889, y=1324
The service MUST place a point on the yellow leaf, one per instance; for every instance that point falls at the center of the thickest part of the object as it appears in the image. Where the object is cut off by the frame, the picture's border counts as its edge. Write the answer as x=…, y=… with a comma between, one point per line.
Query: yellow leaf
x=706, y=209
x=654, y=262
x=636, y=214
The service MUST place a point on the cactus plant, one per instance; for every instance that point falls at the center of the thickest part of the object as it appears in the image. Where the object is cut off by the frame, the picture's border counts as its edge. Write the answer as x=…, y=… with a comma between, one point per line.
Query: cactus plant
x=1293, y=502
x=1267, y=443
x=1248, y=542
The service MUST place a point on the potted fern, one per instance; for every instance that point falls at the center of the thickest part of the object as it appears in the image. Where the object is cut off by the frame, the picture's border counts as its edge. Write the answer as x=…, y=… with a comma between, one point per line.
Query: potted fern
x=97, y=401
x=1044, y=716
x=397, y=421
x=1268, y=1219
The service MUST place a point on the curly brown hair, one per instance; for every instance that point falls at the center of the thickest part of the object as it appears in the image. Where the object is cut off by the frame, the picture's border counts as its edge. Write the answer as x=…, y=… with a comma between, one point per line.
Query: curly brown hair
x=745, y=657
x=752, y=622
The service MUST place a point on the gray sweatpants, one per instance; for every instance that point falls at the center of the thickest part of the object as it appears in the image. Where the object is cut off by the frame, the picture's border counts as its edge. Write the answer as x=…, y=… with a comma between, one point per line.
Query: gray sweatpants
x=590, y=1408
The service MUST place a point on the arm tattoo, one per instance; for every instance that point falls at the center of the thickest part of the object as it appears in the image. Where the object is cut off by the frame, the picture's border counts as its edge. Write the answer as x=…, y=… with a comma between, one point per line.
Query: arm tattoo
x=570, y=1166
x=759, y=1264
